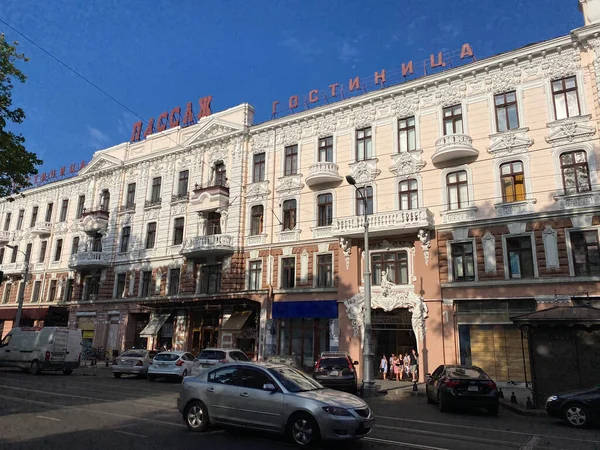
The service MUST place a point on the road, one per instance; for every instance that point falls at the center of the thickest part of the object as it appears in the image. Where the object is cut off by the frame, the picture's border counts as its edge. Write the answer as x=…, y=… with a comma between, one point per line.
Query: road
x=52, y=411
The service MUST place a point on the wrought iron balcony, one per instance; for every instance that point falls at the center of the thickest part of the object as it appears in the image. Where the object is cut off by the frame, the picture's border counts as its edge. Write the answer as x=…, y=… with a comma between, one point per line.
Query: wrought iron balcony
x=179, y=197
x=127, y=208
x=384, y=224
x=210, y=196
x=85, y=260
x=42, y=228
x=153, y=203
x=5, y=236
x=207, y=245
x=454, y=147
x=95, y=219
x=323, y=173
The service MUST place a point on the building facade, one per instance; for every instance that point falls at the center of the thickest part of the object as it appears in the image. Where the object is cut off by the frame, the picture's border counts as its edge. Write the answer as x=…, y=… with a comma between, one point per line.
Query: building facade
x=480, y=184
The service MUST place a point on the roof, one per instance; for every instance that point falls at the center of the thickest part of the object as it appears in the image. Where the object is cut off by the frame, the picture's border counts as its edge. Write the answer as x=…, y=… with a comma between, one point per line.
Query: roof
x=564, y=315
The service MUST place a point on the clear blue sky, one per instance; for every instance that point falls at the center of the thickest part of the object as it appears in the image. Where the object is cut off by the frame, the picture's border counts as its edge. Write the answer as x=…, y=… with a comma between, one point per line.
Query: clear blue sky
x=155, y=55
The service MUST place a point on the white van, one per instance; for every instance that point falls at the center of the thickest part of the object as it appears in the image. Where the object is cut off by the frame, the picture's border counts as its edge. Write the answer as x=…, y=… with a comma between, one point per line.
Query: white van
x=35, y=349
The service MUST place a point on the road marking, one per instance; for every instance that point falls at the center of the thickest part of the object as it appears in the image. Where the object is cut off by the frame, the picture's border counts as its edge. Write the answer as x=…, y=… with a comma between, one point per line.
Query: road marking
x=130, y=434
x=48, y=418
x=404, y=444
x=531, y=443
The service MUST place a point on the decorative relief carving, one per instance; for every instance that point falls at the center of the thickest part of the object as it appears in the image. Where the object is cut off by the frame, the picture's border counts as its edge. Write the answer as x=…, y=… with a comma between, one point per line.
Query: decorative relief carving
x=218, y=154
x=582, y=200
x=489, y=252
x=262, y=142
x=326, y=126
x=562, y=64
x=289, y=135
x=364, y=116
x=573, y=129
x=515, y=208
x=459, y=215
x=365, y=171
x=390, y=245
x=291, y=184
x=405, y=106
x=304, y=267
x=406, y=164
x=424, y=237
x=512, y=142
x=549, y=236
x=258, y=191
x=346, y=246
x=178, y=208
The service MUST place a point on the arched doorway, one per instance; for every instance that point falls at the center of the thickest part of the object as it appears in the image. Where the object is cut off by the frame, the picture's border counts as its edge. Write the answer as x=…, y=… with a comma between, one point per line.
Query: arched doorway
x=392, y=332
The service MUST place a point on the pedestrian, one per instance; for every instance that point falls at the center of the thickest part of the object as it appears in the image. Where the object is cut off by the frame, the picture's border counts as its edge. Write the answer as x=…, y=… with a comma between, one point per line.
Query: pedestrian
x=406, y=367
x=391, y=366
x=397, y=368
x=383, y=367
x=414, y=365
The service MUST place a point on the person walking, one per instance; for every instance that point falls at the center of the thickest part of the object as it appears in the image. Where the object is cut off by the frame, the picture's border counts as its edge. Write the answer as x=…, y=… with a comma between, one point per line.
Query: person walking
x=414, y=365
x=397, y=367
x=406, y=367
x=383, y=367
x=391, y=366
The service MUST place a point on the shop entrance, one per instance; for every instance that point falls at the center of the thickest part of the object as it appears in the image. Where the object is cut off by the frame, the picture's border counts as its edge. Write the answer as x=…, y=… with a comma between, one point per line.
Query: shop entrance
x=392, y=332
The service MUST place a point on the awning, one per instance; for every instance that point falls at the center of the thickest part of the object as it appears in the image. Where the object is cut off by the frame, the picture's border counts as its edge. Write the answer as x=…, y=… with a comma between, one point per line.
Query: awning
x=316, y=309
x=154, y=325
x=236, y=321
x=26, y=313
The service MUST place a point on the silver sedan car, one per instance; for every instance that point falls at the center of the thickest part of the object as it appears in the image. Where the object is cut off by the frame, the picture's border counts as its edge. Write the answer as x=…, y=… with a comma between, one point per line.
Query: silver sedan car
x=133, y=362
x=272, y=397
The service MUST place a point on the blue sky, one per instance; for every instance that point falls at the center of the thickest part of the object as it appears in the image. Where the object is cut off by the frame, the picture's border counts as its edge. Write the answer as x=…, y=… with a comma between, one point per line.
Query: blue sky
x=155, y=55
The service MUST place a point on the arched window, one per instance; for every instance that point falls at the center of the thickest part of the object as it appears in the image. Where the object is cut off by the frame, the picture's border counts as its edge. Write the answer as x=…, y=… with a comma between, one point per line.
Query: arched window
x=512, y=181
x=220, y=174
x=367, y=192
x=408, y=192
x=575, y=172
x=104, y=200
x=325, y=210
x=289, y=214
x=458, y=190
x=256, y=220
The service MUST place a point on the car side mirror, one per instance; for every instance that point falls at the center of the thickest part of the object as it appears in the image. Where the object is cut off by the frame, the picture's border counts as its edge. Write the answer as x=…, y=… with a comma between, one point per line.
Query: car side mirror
x=355, y=363
x=269, y=387
x=427, y=376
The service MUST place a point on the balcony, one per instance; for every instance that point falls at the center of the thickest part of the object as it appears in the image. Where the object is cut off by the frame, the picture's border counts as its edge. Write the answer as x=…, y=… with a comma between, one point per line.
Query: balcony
x=384, y=224
x=453, y=147
x=127, y=208
x=89, y=260
x=216, y=244
x=42, y=228
x=94, y=220
x=5, y=236
x=210, y=196
x=16, y=268
x=323, y=173
x=180, y=197
x=153, y=203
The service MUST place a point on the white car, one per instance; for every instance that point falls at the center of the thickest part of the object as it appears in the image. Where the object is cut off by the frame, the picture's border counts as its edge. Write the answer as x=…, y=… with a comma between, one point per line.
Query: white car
x=210, y=357
x=171, y=364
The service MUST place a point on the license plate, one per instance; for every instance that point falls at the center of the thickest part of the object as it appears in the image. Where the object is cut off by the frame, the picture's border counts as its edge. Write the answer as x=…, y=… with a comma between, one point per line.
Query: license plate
x=162, y=365
x=334, y=373
x=127, y=363
x=473, y=389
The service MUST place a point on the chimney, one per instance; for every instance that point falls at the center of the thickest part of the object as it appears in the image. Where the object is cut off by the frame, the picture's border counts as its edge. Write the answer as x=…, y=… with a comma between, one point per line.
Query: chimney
x=590, y=10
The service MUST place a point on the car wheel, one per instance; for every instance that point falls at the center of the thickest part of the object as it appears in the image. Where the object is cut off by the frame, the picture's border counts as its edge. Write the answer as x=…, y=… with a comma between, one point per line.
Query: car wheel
x=117, y=375
x=196, y=416
x=442, y=406
x=493, y=410
x=151, y=377
x=429, y=401
x=35, y=368
x=67, y=371
x=303, y=429
x=577, y=416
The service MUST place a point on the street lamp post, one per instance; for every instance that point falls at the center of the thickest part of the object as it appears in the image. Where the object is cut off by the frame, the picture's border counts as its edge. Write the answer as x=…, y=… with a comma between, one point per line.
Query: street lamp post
x=22, y=290
x=368, y=379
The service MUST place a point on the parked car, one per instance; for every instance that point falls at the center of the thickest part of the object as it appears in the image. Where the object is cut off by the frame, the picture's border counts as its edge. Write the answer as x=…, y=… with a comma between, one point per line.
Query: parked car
x=133, y=362
x=35, y=349
x=288, y=360
x=209, y=357
x=578, y=408
x=336, y=370
x=461, y=386
x=171, y=364
x=275, y=398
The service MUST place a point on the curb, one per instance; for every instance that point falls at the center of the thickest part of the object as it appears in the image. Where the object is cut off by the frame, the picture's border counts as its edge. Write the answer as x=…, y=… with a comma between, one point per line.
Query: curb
x=522, y=411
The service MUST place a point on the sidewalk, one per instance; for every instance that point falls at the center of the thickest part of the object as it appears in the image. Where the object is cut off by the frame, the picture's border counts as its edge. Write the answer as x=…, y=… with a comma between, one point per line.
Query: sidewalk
x=521, y=393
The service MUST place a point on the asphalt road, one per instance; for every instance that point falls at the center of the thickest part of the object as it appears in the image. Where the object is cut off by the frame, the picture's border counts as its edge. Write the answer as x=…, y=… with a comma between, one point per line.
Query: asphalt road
x=52, y=411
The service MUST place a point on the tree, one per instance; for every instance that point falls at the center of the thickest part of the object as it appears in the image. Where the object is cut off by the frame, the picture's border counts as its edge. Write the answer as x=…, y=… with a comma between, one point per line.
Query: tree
x=16, y=163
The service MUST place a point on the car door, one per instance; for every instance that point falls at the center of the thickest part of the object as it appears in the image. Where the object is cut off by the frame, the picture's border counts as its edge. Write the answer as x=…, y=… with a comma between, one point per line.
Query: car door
x=5, y=350
x=221, y=393
x=433, y=382
x=258, y=407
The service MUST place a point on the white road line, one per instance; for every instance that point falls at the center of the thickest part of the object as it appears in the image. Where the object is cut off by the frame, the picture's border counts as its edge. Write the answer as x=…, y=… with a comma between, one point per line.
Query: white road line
x=531, y=443
x=48, y=418
x=404, y=444
x=127, y=433
x=452, y=425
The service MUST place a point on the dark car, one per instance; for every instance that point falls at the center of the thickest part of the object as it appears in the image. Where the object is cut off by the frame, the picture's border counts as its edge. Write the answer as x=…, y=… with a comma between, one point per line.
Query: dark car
x=579, y=408
x=461, y=386
x=336, y=370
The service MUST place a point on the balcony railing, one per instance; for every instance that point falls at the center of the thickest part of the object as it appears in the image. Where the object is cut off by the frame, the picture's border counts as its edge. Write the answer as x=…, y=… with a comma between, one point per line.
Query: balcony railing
x=13, y=268
x=216, y=243
x=97, y=211
x=127, y=208
x=179, y=197
x=383, y=224
x=153, y=203
x=322, y=173
x=42, y=228
x=5, y=236
x=453, y=147
x=89, y=259
x=210, y=196
x=95, y=219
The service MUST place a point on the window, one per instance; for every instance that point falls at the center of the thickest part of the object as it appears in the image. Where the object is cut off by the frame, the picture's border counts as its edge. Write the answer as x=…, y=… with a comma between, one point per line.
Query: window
x=120, y=285
x=325, y=210
x=178, y=231
x=513, y=181
x=213, y=223
x=7, y=289
x=520, y=257
x=586, y=252
x=453, y=122
x=174, y=275
x=28, y=252
x=52, y=291
x=289, y=214
x=407, y=135
x=324, y=271
x=20, y=219
x=75, y=245
x=463, y=263
x=210, y=279
x=220, y=174
x=288, y=273
x=2, y=255
x=80, y=206
x=258, y=173
x=97, y=242
x=130, y=201
x=15, y=252
x=256, y=220
x=43, y=248
x=182, y=186
x=254, y=378
x=507, y=117
x=125, y=235
x=364, y=144
x=255, y=272
x=155, y=192
x=68, y=294
x=104, y=200
x=34, y=214
x=408, y=190
x=146, y=281
x=290, y=160
x=326, y=149
x=394, y=264
x=151, y=235
x=64, y=210
x=58, y=252
x=367, y=192
x=565, y=98
x=37, y=287
x=225, y=375
x=49, y=209
x=458, y=190
x=7, y=221
x=575, y=172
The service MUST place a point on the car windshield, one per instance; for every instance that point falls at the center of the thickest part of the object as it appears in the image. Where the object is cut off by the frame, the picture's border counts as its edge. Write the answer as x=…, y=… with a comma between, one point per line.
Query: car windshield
x=134, y=353
x=464, y=372
x=331, y=362
x=212, y=354
x=166, y=357
x=294, y=380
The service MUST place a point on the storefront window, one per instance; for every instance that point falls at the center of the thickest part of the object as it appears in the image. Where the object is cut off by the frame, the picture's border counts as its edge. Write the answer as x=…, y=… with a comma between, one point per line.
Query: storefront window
x=304, y=338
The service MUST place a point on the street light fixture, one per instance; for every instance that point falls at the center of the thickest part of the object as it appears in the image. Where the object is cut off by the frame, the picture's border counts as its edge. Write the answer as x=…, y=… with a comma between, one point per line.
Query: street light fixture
x=22, y=290
x=368, y=379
